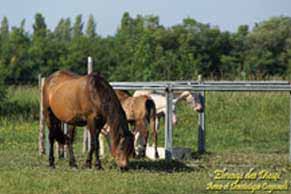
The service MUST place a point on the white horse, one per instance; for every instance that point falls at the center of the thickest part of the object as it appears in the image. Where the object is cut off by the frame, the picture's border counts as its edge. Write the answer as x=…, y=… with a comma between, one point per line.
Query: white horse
x=160, y=101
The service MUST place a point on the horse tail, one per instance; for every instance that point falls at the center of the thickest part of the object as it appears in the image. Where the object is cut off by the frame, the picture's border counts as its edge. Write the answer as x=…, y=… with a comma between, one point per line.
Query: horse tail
x=151, y=112
x=151, y=118
x=55, y=128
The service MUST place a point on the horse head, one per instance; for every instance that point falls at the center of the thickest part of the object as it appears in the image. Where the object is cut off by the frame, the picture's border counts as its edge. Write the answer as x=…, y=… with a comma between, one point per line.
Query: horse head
x=123, y=149
x=193, y=99
x=140, y=142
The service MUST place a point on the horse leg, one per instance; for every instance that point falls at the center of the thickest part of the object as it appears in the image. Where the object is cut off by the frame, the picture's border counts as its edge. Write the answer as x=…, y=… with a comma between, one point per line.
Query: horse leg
x=61, y=148
x=141, y=137
x=99, y=124
x=154, y=134
x=70, y=139
x=136, y=133
x=94, y=126
x=61, y=151
x=157, y=122
x=102, y=145
x=90, y=126
x=51, y=149
x=55, y=133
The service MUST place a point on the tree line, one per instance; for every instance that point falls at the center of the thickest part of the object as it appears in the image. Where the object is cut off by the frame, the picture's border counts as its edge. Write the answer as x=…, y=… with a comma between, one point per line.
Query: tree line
x=142, y=49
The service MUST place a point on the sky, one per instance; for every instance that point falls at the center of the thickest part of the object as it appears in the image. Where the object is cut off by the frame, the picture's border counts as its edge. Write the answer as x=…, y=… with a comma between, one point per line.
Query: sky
x=227, y=14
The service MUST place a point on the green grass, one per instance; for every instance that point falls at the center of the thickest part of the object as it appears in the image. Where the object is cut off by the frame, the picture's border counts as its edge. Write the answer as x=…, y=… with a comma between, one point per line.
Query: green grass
x=244, y=130
x=241, y=122
x=22, y=102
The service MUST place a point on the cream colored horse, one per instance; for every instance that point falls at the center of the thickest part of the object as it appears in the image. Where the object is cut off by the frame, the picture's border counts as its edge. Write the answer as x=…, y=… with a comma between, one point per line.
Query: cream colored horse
x=160, y=101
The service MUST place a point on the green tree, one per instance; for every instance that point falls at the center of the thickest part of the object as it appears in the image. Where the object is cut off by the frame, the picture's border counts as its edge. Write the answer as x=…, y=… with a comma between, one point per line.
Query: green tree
x=78, y=27
x=63, y=31
x=4, y=29
x=268, y=48
x=5, y=52
x=78, y=50
x=19, y=67
x=91, y=27
x=62, y=37
x=4, y=58
x=40, y=48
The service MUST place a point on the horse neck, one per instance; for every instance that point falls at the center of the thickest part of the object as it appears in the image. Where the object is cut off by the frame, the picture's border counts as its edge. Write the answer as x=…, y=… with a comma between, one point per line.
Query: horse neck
x=182, y=96
x=117, y=123
x=111, y=112
x=161, y=103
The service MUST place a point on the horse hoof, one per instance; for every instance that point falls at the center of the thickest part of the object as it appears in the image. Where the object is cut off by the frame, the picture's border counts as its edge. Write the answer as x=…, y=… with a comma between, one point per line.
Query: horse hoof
x=74, y=166
x=157, y=155
x=98, y=167
x=61, y=157
x=87, y=165
x=123, y=169
x=52, y=166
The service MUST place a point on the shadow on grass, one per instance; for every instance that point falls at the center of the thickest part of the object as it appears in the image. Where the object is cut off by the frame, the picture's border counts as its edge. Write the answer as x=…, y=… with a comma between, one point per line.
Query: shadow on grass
x=2, y=140
x=198, y=155
x=161, y=166
x=184, y=165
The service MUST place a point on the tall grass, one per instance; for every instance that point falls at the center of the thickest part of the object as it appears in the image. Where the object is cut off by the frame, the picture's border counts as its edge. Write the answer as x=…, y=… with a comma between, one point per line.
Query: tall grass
x=244, y=130
x=239, y=121
x=22, y=103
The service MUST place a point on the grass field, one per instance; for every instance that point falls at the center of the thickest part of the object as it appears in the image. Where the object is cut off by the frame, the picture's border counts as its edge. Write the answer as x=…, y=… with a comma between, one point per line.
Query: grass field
x=244, y=131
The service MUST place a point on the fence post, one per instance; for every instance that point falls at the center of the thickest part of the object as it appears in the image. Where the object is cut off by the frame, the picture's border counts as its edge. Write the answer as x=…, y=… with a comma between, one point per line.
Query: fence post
x=290, y=127
x=90, y=65
x=65, y=147
x=201, y=121
x=168, y=124
x=41, y=138
x=86, y=133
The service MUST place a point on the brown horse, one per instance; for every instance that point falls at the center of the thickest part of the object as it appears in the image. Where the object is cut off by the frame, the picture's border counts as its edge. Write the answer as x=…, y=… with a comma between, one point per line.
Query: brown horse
x=141, y=113
x=85, y=100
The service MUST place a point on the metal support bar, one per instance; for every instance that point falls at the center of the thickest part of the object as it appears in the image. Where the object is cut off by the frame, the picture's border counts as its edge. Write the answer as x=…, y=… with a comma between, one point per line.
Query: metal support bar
x=201, y=121
x=206, y=86
x=168, y=124
x=201, y=125
x=90, y=65
x=86, y=133
x=65, y=146
x=290, y=127
x=42, y=135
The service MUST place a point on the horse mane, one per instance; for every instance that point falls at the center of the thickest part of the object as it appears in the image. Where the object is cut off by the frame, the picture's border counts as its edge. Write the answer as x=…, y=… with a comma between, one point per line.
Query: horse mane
x=112, y=112
x=125, y=91
x=122, y=94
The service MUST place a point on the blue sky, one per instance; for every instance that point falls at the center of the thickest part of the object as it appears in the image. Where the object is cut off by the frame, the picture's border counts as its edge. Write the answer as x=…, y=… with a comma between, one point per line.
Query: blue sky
x=227, y=14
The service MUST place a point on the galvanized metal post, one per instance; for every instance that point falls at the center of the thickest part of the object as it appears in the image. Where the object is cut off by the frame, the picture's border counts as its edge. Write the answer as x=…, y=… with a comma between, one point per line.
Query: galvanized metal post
x=41, y=138
x=65, y=146
x=290, y=127
x=168, y=124
x=90, y=65
x=201, y=121
x=86, y=134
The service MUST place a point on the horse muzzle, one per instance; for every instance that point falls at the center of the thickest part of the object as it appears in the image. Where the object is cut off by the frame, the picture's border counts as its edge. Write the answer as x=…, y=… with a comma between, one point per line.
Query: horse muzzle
x=198, y=108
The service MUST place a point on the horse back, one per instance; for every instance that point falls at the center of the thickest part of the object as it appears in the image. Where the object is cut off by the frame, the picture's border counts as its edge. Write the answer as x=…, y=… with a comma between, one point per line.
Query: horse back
x=66, y=94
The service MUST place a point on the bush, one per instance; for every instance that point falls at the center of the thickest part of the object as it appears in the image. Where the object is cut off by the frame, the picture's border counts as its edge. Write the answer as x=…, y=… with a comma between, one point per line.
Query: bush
x=2, y=91
x=21, y=101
